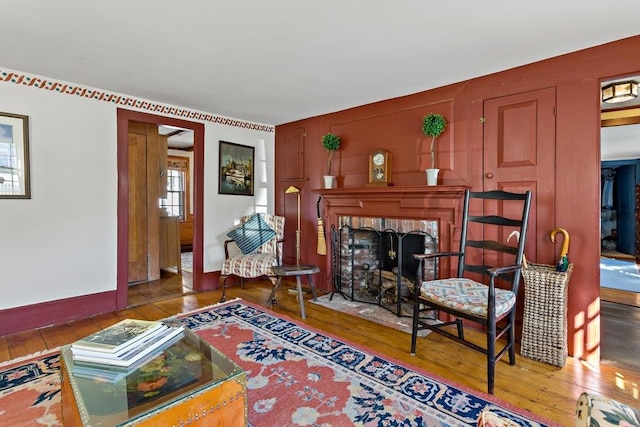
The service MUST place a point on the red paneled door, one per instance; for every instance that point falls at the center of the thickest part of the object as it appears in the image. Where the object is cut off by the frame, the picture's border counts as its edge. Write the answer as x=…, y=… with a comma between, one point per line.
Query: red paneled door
x=519, y=155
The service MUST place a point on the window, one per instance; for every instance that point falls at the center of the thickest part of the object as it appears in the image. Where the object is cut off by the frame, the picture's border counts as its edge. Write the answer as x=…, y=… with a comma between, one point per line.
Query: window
x=8, y=166
x=177, y=197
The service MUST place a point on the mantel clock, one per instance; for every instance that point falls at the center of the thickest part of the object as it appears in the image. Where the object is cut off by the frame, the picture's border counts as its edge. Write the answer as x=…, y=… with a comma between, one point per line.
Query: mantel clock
x=379, y=168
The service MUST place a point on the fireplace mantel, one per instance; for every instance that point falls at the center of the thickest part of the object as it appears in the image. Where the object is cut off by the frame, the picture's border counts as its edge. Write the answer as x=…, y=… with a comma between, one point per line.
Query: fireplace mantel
x=439, y=203
x=442, y=191
x=393, y=202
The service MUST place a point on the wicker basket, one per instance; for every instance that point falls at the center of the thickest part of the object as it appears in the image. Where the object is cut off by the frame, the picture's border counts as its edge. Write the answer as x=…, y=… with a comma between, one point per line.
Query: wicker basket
x=544, y=330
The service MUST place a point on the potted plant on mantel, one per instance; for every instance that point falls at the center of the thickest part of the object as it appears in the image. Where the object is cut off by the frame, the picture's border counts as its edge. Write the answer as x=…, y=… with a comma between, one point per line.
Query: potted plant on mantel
x=433, y=125
x=331, y=143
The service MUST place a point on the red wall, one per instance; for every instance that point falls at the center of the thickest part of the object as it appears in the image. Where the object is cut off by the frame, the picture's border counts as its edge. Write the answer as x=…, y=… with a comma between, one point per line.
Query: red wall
x=395, y=125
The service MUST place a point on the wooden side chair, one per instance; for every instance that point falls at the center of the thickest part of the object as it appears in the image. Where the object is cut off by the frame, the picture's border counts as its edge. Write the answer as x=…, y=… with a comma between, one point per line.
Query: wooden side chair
x=485, y=287
x=260, y=239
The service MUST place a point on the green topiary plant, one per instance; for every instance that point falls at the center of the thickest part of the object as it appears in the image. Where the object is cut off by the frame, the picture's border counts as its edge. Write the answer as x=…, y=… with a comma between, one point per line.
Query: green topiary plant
x=331, y=143
x=433, y=125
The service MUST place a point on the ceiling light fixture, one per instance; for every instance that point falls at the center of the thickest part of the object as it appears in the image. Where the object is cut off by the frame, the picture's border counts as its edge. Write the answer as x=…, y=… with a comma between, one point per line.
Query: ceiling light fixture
x=619, y=91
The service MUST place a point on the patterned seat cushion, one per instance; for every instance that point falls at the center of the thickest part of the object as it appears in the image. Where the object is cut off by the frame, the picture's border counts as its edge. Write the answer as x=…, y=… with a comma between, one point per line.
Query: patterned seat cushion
x=591, y=411
x=600, y=411
x=466, y=295
x=249, y=266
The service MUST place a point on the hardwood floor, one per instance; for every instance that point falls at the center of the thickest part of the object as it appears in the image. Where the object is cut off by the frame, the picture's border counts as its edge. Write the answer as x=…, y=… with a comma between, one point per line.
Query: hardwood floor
x=620, y=344
x=620, y=297
x=540, y=388
x=169, y=285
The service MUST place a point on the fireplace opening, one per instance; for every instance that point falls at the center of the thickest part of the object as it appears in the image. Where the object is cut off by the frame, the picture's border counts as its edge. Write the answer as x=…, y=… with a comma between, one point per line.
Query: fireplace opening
x=411, y=243
x=377, y=266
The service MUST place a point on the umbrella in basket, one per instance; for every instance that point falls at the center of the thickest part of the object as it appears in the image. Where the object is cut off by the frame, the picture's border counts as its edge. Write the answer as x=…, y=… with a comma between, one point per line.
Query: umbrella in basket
x=563, y=263
x=516, y=234
x=322, y=244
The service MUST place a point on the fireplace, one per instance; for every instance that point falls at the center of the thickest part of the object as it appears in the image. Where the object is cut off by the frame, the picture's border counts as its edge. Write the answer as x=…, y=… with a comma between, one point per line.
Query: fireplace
x=397, y=215
x=373, y=259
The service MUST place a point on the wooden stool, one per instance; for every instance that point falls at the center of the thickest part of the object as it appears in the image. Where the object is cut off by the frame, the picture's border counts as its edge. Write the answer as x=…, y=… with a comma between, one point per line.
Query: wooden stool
x=297, y=271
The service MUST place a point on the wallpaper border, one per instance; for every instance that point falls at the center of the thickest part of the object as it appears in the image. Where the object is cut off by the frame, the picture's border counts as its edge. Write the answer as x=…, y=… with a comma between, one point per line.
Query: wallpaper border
x=24, y=79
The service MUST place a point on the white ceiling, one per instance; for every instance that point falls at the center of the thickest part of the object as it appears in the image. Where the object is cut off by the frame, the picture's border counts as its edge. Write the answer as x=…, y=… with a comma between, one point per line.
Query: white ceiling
x=620, y=142
x=276, y=61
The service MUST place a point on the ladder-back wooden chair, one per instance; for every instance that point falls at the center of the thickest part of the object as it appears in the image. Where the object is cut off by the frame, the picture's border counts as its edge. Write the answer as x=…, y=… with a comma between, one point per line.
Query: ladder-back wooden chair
x=487, y=280
x=260, y=239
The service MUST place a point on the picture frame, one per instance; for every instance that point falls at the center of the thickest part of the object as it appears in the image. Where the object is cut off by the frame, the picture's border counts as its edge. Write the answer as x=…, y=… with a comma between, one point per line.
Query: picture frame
x=14, y=156
x=236, y=169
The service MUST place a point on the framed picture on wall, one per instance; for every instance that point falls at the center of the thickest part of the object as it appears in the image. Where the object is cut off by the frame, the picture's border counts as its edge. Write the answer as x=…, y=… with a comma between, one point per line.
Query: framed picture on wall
x=14, y=156
x=236, y=169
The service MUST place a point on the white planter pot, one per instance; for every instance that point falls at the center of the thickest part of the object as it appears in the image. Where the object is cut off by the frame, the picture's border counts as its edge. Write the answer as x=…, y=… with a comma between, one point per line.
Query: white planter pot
x=329, y=181
x=432, y=176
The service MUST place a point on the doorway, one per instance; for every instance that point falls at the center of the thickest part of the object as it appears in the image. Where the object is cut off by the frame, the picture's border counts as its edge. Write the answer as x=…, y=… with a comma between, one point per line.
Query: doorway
x=171, y=204
x=619, y=252
x=124, y=117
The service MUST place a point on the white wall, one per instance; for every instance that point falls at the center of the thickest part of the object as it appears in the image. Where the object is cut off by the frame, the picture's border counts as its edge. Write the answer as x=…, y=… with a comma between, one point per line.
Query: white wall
x=62, y=242
x=222, y=212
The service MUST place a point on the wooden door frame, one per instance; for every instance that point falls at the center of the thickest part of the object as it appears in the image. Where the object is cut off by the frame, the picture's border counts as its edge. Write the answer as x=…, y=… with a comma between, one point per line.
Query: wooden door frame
x=123, y=118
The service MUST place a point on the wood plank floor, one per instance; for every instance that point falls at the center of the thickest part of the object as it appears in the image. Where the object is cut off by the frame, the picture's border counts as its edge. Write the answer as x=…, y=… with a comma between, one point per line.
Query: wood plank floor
x=545, y=390
x=620, y=297
x=620, y=331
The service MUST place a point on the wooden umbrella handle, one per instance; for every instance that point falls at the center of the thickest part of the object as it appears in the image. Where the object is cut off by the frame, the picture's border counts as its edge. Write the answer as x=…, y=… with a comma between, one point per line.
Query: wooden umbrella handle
x=565, y=243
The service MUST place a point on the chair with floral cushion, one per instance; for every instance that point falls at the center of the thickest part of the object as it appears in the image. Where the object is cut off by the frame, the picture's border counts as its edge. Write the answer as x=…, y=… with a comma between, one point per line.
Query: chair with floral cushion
x=485, y=288
x=259, y=238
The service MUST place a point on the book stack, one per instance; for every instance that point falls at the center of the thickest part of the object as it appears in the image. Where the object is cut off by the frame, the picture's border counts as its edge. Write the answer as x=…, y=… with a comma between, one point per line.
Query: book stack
x=123, y=345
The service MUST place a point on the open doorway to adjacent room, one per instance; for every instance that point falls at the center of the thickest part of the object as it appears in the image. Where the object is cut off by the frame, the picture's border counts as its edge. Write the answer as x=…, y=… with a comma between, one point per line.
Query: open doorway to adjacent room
x=619, y=231
x=176, y=222
x=160, y=206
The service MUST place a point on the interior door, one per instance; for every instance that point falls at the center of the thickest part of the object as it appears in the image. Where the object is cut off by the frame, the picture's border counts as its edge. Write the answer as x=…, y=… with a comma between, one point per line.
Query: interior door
x=143, y=211
x=519, y=155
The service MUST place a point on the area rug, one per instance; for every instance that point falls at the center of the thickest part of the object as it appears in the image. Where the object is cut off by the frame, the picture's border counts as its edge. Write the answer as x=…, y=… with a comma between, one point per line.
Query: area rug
x=297, y=376
x=619, y=274
x=370, y=312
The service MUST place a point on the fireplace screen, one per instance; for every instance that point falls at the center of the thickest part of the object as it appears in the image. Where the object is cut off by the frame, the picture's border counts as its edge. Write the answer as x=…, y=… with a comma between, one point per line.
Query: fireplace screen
x=376, y=265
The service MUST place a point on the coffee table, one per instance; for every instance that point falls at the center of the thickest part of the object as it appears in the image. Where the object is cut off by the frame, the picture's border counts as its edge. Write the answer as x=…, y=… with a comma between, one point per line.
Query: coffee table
x=297, y=271
x=188, y=383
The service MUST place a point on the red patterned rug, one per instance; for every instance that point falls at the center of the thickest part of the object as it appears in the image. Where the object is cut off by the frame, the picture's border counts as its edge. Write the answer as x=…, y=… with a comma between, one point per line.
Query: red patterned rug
x=297, y=376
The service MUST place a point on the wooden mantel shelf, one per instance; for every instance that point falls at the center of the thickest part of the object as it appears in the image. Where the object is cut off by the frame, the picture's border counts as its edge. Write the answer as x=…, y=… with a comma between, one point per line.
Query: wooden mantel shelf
x=442, y=191
x=393, y=202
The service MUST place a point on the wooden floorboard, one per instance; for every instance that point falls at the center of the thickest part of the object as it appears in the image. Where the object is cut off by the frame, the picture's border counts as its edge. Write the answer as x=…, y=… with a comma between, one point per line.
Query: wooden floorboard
x=540, y=388
x=4, y=349
x=620, y=325
x=25, y=343
x=620, y=297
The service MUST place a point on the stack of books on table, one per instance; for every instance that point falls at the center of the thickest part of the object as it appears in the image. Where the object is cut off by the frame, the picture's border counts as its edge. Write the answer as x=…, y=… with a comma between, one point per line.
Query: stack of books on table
x=122, y=346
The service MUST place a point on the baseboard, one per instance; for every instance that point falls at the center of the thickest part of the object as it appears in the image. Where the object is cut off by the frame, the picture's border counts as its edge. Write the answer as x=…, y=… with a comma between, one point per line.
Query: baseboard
x=18, y=319
x=209, y=281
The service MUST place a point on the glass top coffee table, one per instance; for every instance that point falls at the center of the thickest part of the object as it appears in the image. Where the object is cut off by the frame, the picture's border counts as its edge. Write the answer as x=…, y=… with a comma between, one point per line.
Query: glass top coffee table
x=187, y=383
